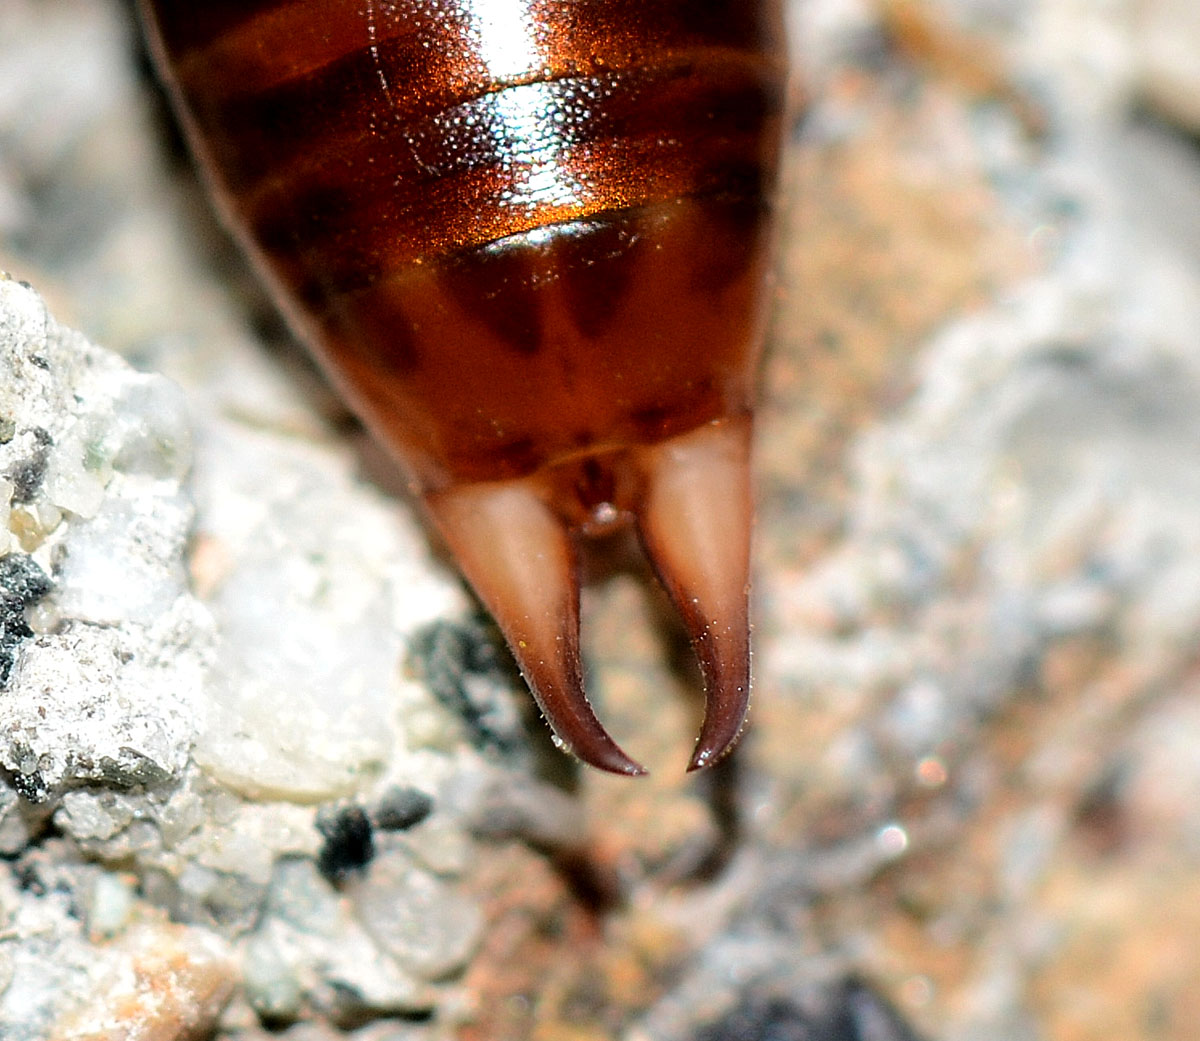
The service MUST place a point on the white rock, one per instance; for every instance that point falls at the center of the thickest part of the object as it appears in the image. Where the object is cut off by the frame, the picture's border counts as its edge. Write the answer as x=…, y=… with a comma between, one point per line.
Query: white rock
x=110, y=687
x=285, y=685
x=326, y=581
x=116, y=705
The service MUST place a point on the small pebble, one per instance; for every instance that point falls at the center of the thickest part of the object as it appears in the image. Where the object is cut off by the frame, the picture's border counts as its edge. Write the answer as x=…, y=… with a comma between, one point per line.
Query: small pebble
x=403, y=808
x=349, y=844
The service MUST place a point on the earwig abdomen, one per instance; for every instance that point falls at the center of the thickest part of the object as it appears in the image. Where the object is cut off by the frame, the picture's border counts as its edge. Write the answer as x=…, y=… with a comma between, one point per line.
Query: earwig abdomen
x=529, y=241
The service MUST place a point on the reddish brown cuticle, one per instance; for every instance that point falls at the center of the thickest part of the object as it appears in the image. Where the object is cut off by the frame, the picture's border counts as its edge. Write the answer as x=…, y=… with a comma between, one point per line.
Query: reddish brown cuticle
x=522, y=259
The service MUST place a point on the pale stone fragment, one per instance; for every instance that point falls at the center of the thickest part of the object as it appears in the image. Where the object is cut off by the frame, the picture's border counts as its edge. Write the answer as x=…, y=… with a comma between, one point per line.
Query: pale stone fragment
x=156, y=983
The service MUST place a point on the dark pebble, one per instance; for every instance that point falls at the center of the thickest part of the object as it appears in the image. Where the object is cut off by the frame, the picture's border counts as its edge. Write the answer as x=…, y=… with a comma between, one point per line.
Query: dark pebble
x=403, y=808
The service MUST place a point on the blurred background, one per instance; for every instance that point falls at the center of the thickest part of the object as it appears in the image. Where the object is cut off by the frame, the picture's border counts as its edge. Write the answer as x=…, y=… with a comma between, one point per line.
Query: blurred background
x=968, y=808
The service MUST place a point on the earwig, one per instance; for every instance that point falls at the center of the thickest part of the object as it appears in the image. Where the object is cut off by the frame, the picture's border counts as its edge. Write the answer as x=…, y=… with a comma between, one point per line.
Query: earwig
x=529, y=241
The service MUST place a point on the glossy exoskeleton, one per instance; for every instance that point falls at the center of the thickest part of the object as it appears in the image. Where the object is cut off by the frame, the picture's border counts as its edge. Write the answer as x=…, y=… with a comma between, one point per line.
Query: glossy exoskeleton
x=529, y=241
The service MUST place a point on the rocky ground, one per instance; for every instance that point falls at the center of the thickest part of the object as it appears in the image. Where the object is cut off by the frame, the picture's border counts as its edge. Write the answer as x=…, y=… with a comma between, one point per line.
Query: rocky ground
x=265, y=772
